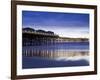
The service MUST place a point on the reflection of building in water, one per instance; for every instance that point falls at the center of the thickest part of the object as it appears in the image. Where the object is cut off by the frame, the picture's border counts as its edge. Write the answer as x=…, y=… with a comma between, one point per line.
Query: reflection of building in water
x=33, y=37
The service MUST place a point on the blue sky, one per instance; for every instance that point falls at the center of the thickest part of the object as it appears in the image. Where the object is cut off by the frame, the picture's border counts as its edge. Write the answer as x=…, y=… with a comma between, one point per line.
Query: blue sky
x=63, y=24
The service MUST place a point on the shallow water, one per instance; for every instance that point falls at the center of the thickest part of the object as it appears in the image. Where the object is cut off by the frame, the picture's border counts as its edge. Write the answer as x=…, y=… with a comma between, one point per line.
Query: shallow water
x=56, y=55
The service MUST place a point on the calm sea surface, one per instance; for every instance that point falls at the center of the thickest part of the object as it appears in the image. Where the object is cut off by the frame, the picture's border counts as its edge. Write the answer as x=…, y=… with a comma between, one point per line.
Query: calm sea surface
x=67, y=54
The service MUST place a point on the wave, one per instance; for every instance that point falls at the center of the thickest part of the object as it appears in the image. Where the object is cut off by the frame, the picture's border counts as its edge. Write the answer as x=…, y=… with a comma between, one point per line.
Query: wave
x=76, y=58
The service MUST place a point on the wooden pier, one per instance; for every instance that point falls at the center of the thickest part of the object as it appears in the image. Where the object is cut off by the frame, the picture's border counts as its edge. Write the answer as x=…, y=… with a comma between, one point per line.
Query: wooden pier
x=32, y=38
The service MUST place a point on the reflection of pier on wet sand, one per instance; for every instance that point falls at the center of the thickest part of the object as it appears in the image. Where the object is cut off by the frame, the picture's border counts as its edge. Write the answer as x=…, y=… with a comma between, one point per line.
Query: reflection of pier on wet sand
x=52, y=54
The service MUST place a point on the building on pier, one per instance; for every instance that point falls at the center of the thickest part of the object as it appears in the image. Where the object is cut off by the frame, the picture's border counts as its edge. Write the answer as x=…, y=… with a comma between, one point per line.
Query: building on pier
x=33, y=37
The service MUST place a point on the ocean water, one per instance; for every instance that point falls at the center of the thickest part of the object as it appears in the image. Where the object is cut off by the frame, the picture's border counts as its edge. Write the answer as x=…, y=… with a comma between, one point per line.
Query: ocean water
x=69, y=54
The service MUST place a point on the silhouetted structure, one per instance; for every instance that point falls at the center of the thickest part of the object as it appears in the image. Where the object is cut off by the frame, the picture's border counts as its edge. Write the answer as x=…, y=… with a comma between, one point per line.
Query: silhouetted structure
x=32, y=37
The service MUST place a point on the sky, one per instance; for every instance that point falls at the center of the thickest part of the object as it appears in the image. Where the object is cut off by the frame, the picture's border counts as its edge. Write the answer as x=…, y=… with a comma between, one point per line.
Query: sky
x=74, y=25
